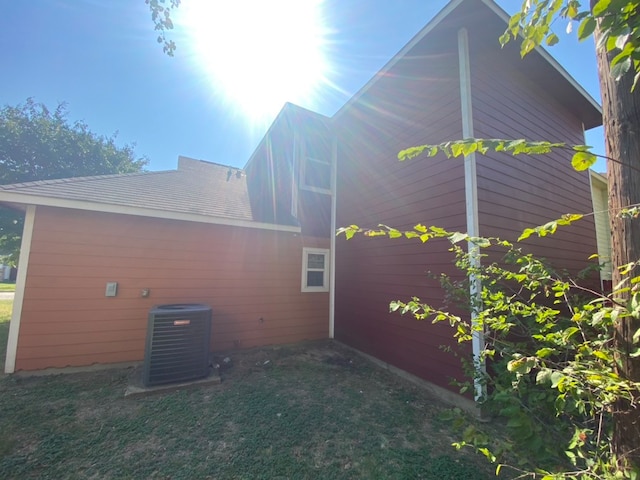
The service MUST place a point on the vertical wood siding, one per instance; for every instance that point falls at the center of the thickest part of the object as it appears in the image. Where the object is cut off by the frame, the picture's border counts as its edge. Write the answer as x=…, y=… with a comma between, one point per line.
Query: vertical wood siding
x=250, y=277
x=415, y=103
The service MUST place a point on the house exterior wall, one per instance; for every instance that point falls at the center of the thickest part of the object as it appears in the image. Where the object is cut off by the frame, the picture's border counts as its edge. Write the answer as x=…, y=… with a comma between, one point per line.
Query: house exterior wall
x=250, y=277
x=416, y=102
x=521, y=192
x=274, y=171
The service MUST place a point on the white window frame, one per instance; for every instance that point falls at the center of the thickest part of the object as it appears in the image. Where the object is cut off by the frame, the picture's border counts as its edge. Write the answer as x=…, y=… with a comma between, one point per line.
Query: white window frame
x=313, y=188
x=305, y=269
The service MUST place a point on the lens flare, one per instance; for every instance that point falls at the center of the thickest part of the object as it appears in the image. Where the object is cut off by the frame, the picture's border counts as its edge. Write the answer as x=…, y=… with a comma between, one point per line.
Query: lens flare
x=258, y=54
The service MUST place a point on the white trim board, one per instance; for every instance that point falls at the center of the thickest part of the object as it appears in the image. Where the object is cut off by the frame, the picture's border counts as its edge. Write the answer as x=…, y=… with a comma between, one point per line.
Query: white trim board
x=332, y=268
x=26, y=199
x=471, y=202
x=21, y=280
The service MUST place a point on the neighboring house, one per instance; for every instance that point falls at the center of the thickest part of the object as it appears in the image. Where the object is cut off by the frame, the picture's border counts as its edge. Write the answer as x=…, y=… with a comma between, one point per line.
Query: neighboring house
x=600, y=197
x=256, y=244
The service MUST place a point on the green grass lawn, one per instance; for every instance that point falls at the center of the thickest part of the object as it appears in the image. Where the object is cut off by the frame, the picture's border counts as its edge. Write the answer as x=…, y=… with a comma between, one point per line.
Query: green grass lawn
x=7, y=287
x=5, y=316
x=312, y=411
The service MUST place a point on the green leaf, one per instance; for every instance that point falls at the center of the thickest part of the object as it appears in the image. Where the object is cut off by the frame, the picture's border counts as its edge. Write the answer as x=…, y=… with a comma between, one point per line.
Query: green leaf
x=545, y=352
x=620, y=69
x=586, y=28
x=600, y=7
x=543, y=376
x=526, y=234
x=583, y=161
x=480, y=242
x=458, y=237
x=552, y=39
x=556, y=378
x=522, y=365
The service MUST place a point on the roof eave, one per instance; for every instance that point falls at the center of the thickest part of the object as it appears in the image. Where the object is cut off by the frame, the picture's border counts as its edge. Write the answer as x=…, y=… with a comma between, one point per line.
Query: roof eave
x=16, y=199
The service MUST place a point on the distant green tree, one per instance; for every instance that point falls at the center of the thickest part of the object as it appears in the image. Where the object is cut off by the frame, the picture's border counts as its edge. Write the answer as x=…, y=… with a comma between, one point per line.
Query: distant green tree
x=40, y=144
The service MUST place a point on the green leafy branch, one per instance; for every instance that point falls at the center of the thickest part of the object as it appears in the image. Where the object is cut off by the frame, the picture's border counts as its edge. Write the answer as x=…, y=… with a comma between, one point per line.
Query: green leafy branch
x=550, y=346
x=161, y=17
x=426, y=233
x=619, y=28
x=583, y=158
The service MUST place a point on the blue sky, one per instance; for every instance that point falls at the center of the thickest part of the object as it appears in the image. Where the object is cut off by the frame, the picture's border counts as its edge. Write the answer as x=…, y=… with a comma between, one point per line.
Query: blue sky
x=101, y=57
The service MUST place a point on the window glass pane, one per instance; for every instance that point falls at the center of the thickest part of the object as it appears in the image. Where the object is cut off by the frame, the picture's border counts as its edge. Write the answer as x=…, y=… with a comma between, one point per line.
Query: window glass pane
x=315, y=260
x=318, y=147
x=315, y=279
x=317, y=174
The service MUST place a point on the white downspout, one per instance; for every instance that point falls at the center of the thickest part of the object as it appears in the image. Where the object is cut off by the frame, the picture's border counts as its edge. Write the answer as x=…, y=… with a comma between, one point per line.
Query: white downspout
x=471, y=202
x=332, y=268
x=21, y=280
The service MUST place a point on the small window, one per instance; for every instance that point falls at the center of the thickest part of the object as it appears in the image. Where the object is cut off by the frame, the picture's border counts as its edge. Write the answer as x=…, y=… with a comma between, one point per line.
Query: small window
x=315, y=270
x=317, y=175
x=316, y=165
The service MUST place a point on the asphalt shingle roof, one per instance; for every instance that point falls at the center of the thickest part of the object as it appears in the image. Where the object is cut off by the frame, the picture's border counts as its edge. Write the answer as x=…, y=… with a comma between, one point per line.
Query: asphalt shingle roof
x=197, y=187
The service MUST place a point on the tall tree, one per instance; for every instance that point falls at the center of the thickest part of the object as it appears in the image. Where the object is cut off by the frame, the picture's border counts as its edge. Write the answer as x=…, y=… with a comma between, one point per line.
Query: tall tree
x=615, y=25
x=40, y=144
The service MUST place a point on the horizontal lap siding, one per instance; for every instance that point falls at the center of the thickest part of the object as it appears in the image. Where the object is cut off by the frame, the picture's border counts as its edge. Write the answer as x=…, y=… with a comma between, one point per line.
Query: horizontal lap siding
x=515, y=193
x=416, y=103
x=250, y=277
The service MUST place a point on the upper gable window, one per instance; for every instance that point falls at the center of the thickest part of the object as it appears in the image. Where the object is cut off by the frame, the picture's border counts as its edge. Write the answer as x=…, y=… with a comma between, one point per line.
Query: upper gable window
x=316, y=165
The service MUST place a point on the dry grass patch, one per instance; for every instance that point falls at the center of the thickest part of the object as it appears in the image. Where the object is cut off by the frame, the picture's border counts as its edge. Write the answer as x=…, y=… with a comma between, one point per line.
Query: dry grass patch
x=313, y=411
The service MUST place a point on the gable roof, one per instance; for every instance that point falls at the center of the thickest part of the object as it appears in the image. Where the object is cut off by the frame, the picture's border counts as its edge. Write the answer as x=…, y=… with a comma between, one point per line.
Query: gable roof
x=196, y=191
x=290, y=115
x=488, y=16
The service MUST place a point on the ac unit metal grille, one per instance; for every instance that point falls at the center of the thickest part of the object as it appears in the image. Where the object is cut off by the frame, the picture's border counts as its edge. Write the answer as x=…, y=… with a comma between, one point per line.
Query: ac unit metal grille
x=178, y=340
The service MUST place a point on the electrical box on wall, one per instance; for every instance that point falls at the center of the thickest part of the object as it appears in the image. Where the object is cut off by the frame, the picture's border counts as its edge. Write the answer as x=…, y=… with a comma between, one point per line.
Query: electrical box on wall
x=111, y=290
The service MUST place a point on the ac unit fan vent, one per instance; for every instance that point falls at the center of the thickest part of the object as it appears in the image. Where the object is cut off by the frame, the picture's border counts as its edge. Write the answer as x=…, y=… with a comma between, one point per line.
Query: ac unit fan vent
x=178, y=344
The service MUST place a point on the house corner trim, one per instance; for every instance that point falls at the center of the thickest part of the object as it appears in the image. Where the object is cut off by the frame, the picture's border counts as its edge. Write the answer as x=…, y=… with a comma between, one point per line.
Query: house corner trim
x=21, y=279
x=471, y=203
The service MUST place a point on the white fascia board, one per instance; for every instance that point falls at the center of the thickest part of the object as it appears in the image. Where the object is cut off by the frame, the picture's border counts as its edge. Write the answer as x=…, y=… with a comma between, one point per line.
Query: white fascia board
x=25, y=199
x=18, y=299
x=276, y=120
x=598, y=178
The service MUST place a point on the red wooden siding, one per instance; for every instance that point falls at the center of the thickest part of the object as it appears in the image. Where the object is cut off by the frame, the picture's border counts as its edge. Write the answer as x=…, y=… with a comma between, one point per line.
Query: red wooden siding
x=250, y=277
x=516, y=193
x=415, y=103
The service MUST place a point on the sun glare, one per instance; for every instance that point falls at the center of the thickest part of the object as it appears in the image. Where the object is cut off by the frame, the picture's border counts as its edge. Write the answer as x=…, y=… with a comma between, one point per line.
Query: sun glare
x=258, y=54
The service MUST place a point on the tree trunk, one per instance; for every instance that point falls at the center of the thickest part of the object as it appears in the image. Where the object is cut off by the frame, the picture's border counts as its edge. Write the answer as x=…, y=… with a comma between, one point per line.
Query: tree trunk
x=621, y=119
